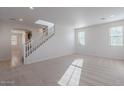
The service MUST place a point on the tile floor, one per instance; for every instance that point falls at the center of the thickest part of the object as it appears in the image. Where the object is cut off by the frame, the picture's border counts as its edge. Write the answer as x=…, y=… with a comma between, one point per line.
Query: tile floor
x=71, y=70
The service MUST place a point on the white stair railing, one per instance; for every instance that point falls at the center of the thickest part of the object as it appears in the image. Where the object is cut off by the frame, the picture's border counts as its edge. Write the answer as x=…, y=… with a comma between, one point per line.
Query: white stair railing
x=32, y=45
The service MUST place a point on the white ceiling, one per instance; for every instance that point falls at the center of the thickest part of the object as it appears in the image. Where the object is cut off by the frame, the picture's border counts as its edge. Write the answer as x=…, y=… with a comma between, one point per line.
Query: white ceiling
x=72, y=17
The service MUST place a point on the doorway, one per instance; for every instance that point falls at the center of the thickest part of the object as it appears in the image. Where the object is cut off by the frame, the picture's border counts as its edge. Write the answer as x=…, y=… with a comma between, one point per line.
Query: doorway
x=18, y=38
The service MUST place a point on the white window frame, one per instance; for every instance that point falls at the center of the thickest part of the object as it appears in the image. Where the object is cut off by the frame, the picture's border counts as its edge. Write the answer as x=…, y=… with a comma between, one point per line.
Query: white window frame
x=13, y=40
x=78, y=38
x=110, y=37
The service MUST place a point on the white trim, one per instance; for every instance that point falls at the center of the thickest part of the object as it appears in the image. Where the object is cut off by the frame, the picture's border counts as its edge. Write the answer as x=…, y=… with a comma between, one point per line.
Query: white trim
x=109, y=37
x=77, y=39
x=49, y=58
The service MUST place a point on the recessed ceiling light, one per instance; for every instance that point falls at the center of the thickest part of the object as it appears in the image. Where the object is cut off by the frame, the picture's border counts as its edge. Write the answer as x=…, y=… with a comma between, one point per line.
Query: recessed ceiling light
x=31, y=8
x=112, y=16
x=20, y=19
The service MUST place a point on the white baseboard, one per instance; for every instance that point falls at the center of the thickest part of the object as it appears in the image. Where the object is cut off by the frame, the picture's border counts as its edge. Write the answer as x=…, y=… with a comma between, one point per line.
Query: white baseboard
x=50, y=58
x=108, y=57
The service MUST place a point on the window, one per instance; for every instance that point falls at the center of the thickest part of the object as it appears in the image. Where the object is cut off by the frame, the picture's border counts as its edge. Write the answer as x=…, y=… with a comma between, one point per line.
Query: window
x=81, y=38
x=13, y=40
x=116, y=36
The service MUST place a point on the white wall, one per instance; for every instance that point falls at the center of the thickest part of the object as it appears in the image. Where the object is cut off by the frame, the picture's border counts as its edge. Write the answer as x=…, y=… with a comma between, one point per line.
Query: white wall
x=5, y=47
x=97, y=41
x=62, y=43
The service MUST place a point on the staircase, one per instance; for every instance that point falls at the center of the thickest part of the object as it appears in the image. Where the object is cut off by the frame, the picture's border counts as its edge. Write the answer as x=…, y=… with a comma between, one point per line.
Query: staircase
x=31, y=46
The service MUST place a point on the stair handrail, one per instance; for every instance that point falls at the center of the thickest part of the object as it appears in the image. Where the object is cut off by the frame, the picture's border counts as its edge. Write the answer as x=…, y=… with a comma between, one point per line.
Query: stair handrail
x=29, y=46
